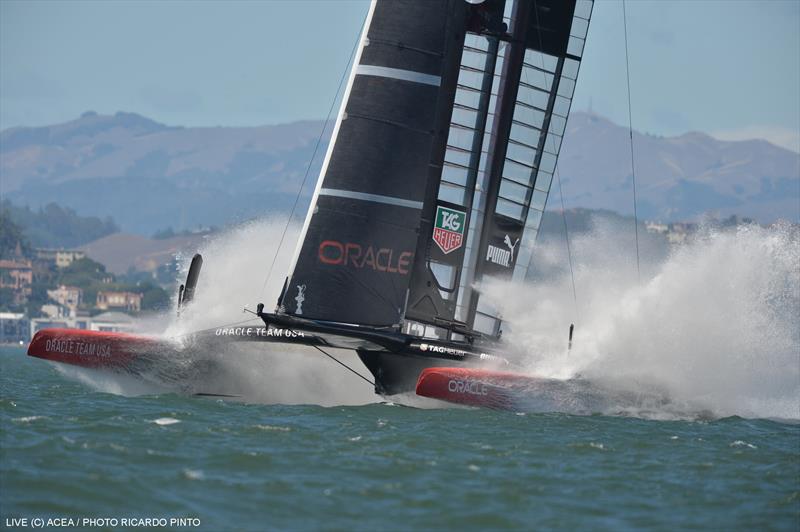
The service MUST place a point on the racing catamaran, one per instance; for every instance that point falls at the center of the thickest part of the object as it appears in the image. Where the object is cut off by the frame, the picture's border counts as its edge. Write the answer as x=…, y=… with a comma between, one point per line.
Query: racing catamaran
x=436, y=178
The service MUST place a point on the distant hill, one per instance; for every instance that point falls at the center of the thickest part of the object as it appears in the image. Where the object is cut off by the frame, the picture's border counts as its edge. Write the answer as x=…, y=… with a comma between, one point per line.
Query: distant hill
x=149, y=176
x=677, y=178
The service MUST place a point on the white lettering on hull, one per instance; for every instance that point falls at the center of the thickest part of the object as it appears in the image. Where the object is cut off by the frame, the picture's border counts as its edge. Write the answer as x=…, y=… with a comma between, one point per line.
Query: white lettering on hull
x=259, y=332
x=74, y=347
x=467, y=387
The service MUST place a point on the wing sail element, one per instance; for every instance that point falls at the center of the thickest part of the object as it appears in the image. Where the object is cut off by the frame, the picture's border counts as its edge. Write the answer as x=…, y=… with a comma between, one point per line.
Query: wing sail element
x=512, y=100
x=440, y=163
x=359, y=243
x=540, y=67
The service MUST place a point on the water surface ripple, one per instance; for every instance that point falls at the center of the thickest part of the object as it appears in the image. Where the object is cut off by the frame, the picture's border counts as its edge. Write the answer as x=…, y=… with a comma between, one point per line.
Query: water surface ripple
x=73, y=452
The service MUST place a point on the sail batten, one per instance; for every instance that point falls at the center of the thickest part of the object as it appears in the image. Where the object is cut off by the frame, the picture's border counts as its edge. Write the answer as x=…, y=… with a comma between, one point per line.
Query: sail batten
x=397, y=73
x=376, y=198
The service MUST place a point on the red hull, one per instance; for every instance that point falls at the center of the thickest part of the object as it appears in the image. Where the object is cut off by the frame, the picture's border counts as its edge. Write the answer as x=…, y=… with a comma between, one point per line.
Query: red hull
x=476, y=387
x=92, y=349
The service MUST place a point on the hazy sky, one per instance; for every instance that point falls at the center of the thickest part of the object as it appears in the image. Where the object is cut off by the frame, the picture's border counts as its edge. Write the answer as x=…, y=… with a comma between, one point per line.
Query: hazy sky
x=726, y=67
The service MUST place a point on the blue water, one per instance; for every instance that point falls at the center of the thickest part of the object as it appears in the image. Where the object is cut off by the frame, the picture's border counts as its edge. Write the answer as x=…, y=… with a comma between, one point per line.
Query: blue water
x=70, y=451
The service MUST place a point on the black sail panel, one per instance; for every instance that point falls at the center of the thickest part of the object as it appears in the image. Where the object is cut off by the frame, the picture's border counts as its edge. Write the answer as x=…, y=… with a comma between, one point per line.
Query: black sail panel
x=361, y=269
x=358, y=246
x=440, y=164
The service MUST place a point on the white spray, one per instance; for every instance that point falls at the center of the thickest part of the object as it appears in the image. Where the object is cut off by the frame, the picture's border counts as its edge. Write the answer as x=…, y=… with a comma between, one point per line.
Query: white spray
x=233, y=276
x=716, y=325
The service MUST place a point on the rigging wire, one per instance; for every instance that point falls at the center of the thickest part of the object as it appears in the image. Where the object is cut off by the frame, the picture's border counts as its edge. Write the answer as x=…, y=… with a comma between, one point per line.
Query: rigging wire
x=372, y=383
x=313, y=155
x=630, y=134
x=318, y=348
x=558, y=176
x=569, y=249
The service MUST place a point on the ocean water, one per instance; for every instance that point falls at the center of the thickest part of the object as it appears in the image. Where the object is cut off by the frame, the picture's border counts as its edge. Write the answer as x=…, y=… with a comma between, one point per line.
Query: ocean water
x=691, y=419
x=69, y=450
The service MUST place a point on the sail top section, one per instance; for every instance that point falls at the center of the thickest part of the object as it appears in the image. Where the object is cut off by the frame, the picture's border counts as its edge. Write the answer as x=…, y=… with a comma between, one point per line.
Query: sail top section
x=440, y=162
x=358, y=245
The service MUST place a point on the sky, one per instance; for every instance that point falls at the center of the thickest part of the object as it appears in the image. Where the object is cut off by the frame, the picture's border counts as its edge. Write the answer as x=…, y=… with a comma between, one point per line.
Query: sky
x=730, y=68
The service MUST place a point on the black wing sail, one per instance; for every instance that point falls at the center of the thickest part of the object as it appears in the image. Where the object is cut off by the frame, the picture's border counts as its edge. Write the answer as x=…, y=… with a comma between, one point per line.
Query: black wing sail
x=358, y=247
x=440, y=163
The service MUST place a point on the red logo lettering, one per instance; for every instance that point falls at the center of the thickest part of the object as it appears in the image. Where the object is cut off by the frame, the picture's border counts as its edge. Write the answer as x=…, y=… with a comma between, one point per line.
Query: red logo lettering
x=353, y=255
x=331, y=252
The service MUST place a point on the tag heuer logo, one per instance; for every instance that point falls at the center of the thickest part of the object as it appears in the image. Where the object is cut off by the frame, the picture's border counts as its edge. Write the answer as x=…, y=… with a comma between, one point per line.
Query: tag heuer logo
x=448, y=231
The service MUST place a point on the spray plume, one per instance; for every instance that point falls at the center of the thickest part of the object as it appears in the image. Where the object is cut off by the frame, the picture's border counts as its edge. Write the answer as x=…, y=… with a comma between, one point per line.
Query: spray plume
x=714, y=326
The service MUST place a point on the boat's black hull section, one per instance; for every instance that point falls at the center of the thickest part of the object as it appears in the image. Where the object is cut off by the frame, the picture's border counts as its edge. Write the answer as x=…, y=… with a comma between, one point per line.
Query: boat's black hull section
x=397, y=373
x=394, y=359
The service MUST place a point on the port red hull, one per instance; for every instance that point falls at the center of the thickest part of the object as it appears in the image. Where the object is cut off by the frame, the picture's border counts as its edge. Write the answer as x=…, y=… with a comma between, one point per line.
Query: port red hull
x=477, y=387
x=93, y=349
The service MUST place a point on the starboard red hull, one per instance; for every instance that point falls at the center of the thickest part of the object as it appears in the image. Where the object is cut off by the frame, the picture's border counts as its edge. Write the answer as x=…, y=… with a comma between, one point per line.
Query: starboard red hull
x=477, y=387
x=93, y=349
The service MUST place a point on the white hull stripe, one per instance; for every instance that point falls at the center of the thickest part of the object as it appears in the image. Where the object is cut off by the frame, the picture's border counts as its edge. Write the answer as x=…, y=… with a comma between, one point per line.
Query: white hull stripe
x=396, y=73
x=376, y=198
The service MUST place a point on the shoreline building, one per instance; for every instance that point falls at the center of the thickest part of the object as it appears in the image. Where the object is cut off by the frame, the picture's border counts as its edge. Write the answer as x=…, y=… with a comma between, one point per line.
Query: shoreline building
x=17, y=275
x=113, y=322
x=69, y=297
x=129, y=301
x=61, y=258
x=106, y=322
x=15, y=328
